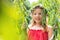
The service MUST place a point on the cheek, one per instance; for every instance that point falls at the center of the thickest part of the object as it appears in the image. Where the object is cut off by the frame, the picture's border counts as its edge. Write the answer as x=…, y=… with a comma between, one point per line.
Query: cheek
x=33, y=16
x=41, y=17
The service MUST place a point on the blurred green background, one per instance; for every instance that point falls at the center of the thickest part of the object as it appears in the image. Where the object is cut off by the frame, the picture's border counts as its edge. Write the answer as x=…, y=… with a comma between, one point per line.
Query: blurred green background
x=14, y=17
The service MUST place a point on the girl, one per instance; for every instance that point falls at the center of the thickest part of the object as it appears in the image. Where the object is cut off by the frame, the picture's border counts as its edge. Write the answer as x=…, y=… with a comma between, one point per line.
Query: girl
x=36, y=30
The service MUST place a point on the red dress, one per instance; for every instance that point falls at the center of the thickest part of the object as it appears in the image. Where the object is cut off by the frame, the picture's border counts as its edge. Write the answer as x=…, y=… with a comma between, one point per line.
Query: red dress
x=37, y=35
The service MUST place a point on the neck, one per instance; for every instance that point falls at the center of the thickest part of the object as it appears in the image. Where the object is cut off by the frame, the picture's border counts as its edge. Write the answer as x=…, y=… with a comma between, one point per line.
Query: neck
x=38, y=24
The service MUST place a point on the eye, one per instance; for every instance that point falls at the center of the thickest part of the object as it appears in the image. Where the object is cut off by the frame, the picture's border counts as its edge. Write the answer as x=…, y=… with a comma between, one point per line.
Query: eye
x=34, y=13
x=39, y=13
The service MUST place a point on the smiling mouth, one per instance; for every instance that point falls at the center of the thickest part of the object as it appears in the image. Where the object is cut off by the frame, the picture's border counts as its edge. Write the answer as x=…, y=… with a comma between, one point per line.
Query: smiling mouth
x=37, y=19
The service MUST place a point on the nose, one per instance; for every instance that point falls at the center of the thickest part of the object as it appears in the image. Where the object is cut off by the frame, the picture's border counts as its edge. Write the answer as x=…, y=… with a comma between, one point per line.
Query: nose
x=37, y=15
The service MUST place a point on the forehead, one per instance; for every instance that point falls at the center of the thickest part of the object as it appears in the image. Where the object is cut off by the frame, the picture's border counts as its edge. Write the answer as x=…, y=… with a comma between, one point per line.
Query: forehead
x=37, y=10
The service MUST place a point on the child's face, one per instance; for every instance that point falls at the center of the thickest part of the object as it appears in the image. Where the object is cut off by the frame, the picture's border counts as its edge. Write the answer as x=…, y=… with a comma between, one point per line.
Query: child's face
x=37, y=15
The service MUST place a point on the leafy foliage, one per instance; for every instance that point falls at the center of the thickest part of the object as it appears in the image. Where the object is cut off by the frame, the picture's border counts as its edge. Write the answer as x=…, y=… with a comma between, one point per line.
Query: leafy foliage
x=15, y=17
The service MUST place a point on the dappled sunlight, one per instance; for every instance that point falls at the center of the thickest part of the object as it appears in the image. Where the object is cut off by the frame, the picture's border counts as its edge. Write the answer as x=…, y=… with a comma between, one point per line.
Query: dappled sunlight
x=15, y=17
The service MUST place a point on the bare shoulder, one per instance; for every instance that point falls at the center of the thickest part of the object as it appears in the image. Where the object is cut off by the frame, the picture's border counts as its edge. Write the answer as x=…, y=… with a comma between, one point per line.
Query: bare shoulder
x=28, y=27
x=49, y=28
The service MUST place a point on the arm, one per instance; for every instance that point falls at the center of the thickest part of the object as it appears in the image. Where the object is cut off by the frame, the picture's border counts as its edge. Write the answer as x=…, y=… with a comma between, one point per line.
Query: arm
x=50, y=33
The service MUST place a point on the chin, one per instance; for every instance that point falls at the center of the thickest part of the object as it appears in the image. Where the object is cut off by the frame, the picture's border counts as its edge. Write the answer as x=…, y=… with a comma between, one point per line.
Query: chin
x=37, y=21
